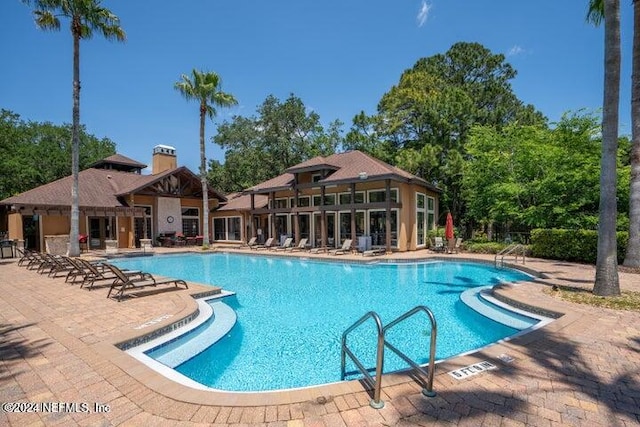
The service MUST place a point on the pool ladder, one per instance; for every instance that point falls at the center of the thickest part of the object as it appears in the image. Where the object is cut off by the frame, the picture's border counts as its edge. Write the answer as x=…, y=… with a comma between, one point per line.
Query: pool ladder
x=382, y=343
x=515, y=249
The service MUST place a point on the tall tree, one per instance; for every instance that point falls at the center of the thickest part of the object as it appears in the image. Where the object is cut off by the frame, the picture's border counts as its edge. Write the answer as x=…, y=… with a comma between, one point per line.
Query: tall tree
x=424, y=121
x=535, y=176
x=632, y=256
x=260, y=147
x=21, y=142
x=206, y=89
x=595, y=15
x=85, y=16
x=607, y=281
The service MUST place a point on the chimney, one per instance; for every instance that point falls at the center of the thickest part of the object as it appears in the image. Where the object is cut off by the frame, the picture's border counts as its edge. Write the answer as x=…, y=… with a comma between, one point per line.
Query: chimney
x=164, y=158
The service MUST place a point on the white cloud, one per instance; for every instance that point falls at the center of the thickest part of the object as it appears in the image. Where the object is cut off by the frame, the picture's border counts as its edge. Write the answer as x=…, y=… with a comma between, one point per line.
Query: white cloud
x=423, y=14
x=515, y=50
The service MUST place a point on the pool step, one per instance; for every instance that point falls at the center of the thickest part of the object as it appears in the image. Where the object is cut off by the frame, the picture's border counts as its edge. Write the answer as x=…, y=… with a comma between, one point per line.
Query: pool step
x=194, y=342
x=480, y=300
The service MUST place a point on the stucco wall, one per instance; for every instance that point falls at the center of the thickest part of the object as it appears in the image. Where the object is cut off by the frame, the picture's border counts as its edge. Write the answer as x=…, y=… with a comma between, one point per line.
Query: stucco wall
x=15, y=226
x=169, y=215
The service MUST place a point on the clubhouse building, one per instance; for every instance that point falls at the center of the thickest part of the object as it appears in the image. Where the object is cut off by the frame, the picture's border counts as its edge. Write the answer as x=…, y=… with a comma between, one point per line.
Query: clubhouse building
x=325, y=200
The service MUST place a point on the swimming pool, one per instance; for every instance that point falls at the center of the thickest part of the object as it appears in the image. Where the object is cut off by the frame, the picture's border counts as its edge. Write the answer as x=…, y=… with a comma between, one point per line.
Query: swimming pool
x=291, y=314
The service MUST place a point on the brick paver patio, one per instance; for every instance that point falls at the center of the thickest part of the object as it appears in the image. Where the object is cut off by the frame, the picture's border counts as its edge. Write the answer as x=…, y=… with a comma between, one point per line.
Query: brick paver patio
x=56, y=346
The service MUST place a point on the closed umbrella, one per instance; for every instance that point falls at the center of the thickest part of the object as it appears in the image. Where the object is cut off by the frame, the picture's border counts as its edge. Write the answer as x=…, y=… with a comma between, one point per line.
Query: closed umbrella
x=448, y=231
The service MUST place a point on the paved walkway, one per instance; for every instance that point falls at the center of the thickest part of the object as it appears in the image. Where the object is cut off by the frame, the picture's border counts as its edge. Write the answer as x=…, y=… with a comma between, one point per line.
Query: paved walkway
x=56, y=346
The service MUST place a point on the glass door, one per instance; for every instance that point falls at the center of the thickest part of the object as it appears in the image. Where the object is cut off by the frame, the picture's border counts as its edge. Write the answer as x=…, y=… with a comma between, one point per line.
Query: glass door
x=305, y=227
x=97, y=232
x=330, y=227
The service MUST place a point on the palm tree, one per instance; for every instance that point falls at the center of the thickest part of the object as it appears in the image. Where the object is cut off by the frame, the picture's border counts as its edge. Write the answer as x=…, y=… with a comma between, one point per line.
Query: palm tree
x=632, y=257
x=85, y=17
x=595, y=15
x=204, y=87
x=607, y=283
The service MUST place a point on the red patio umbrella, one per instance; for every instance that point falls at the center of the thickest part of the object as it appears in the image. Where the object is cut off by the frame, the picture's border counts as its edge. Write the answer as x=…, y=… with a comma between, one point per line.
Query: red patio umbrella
x=448, y=228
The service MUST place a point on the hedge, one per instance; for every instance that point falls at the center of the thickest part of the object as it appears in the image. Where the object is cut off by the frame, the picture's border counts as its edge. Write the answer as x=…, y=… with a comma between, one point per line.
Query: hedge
x=484, y=247
x=571, y=245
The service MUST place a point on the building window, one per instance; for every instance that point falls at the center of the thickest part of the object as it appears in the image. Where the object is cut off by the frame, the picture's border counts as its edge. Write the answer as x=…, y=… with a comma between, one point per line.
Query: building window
x=304, y=201
x=345, y=198
x=421, y=219
x=378, y=227
x=233, y=228
x=141, y=223
x=282, y=226
x=345, y=225
x=190, y=222
x=431, y=213
x=379, y=196
x=227, y=228
x=219, y=229
x=316, y=177
x=281, y=203
x=329, y=200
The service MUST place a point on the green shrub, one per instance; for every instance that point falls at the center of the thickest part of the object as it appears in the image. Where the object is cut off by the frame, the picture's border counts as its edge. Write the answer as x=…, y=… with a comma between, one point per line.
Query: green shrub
x=571, y=245
x=484, y=247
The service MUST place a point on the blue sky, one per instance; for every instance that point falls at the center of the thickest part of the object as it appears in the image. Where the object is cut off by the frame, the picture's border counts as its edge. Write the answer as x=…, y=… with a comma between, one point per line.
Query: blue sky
x=338, y=56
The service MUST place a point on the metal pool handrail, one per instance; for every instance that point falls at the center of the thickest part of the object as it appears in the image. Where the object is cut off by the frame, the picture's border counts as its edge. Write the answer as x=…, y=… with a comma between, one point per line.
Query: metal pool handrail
x=382, y=343
x=512, y=249
x=377, y=383
x=428, y=391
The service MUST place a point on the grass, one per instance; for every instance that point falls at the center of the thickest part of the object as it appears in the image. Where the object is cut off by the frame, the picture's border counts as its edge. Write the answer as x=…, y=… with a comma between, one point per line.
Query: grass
x=626, y=301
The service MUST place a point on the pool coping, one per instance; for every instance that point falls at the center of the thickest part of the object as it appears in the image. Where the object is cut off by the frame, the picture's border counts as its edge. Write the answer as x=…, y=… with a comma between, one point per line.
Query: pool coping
x=182, y=393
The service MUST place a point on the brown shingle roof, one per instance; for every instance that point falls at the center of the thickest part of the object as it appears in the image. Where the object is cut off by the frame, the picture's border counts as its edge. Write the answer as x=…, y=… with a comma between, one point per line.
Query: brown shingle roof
x=281, y=181
x=317, y=163
x=348, y=167
x=119, y=159
x=97, y=188
x=242, y=202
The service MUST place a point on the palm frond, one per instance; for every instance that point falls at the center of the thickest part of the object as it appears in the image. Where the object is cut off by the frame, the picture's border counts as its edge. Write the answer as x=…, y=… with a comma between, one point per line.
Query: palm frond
x=87, y=14
x=46, y=20
x=595, y=12
x=205, y=87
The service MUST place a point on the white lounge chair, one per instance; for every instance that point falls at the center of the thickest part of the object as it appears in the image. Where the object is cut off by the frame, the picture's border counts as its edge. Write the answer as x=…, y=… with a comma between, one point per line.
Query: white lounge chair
x=268, y=244
x=250, y=244
x=375, y=251
x=438, y=245
x=285, y=245
x=346, y=247
x=453, y=249
x=302, y=245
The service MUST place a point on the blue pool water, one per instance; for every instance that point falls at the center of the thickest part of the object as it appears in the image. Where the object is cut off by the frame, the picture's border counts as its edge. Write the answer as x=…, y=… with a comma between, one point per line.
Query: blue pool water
x=291, y=314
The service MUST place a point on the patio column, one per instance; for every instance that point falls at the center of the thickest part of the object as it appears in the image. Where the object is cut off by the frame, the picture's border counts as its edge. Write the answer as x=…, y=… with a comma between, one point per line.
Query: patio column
x=272, y=198
x=387, y=183
x=296, y=221
x=323, y=219
x=132, y=224
x=353, y=213
x=251, y=220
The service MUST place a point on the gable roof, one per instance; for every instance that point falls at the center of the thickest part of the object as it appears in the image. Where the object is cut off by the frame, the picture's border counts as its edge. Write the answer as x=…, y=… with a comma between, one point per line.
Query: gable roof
x=350, y=166
x=96, y=188
x=314, y=164
x=242, y=202
x=119, y=159
x=99, y=188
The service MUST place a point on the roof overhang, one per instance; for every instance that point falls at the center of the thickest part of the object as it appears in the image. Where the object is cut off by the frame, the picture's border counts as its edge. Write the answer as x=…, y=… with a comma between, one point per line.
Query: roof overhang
x=346, y=181
x=63, y=210
x=312, y=168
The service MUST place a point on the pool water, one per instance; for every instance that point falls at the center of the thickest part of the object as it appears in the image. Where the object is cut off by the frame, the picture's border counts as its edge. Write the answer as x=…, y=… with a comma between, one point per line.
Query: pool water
x=291, y=314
